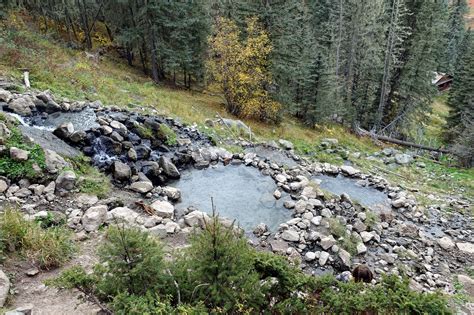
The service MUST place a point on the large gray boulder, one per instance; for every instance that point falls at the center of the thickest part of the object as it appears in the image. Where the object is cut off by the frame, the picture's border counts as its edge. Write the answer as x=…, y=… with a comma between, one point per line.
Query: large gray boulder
x=122, y=171
x=403, y=159
x=66, y=181
x=196, y=218
x=141, y=186
x=290, y=235
x=287, y=145
x=169, y=169
x=54, y=162
x=163, y=208
x=5, y=96
x=64, y=131
x=47, y=103
x=22, y=105
x=122, y=214
x=17, y=154
x=94, y=217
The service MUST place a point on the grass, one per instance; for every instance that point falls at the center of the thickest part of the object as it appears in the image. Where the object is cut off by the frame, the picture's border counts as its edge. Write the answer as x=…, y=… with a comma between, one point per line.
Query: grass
x=91, y=180
x=168, y=134
x=437, y=120
x=46, y=248
x=346, y=241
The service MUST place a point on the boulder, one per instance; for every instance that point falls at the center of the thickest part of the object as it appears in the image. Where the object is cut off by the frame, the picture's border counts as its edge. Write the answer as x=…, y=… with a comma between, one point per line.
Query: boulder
x=196, y=218
x=169, y=169
x=279, y=246
x=163, y=209
x=17, y=154
x=4, y=133
x=3, y=186
x=361, y=248
x=403, y=159
x=467, y=283
x=323, y=258
x=122, y=214
x=349, y=170
x=159, y=231
x=22, y=310
x=122, y=171
x=366, y=236
x=47, y=103
x=66, y=181
x=5, y=96
x=86, y=200
x=345, y=257
x=172, y=192
x=290, y=235
x=141, y=186
x=4, y=288
x=78, y=136
x=399, y=202
x=287, y=145
x=260, y=229
x=327, y=242
x=22, y=105
x=467, y=248
x=54, y=162
x=118, y=125
x=64, y=131
x=94, y=217
x=310, y=256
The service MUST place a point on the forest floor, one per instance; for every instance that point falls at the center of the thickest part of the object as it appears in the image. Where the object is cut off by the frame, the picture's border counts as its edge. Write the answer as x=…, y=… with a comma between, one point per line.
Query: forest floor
x=68, y=73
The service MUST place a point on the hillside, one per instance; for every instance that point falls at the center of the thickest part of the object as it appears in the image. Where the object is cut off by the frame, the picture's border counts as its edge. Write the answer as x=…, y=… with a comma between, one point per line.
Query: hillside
x=106, y=176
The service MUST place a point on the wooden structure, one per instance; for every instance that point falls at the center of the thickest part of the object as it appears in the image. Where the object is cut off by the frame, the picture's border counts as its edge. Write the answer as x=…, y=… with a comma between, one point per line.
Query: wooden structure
x=442, y=81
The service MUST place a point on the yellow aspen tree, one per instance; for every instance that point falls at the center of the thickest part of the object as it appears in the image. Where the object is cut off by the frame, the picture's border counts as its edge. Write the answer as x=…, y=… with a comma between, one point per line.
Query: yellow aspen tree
x=241, y=69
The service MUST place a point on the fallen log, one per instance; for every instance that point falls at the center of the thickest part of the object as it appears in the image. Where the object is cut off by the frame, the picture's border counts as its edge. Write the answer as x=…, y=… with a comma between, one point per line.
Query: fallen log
x=363, y=132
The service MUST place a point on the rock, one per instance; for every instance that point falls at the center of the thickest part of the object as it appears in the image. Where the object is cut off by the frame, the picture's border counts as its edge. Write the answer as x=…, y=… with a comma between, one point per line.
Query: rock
x=349, y=170
x=87, y=200
x=310, y=256
x=118, y=125
x=64, y=131
x=329, y=142
x=446, y=243
x=468, y=248
x=23, y=310
x=159, y=231
x=4, y=288
x=287, y=145
x=323, y=258
x=54, y=162
x=260, y=229
x=5, y=96
x=309, y=192
x=279, y=246
x=326, y=213
x=467, y=283
x=361, y=249
x=23, y=193
x=403, y=159
x=50, y=188
x=163, y=209
x=22, y=105
x=277, y=194
x=327, y=242
x=169, y=168
x=290, y=235
x=366, y=236
x=172, y=192
x=132, y=154
x=3, y=186
x=122, y=214
x=196, y=218
x=400, y=202
x=316, y=220
x=171, y=227
x=32, y=272
x=141, y=187
x=122, y=171
x=18, y=154
x=345, y=257
x=5, y=133
x=94, y=217
x=78, y=136
x=280, y=178
x=65, y=181
x=233, y=123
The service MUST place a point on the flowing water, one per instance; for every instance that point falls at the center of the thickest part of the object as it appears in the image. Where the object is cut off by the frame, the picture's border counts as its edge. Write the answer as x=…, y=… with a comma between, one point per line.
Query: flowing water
x=239, y=192
x=82, y=120
x=366, y=196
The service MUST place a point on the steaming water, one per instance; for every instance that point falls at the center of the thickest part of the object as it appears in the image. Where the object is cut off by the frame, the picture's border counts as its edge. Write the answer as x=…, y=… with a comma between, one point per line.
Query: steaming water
x=241, y=193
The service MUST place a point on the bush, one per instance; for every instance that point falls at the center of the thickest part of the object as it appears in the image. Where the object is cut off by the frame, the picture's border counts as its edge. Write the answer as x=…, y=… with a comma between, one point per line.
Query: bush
x=167, y=133
x=46, y=248
x=92, y=181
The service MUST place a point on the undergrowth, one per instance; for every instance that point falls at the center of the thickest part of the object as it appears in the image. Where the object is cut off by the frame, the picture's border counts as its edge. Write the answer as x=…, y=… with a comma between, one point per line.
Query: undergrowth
x=91, y=180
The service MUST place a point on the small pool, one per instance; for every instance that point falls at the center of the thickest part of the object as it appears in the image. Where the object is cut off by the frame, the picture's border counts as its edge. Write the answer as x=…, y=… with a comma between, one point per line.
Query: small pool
x=239, y=192
x=366, y=196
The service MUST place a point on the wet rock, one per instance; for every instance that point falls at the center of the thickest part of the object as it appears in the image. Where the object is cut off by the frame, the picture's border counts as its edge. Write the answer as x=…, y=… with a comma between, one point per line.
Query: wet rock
x=467, y=248
x=277, y=194
x=78, y=136
x=122, y=171
x=163, y=209
x=94, y=217
x=290, y=235
x=403, y=159
x=169, y=168
x=122, y=214
x=141, y=186
x=132, y=154
x=64, y=131
x=17, y=154
x=22, y=105
x=66, y=181
x=4, y=287
x=196, y=218
x=54, y=162
x=260, y=229
x=118, y=125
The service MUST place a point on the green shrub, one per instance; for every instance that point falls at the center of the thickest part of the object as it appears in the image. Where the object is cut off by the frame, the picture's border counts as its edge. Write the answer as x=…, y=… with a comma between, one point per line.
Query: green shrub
x=167, y=133
x=144, y=131
x=46, y=248
x=92, y=181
